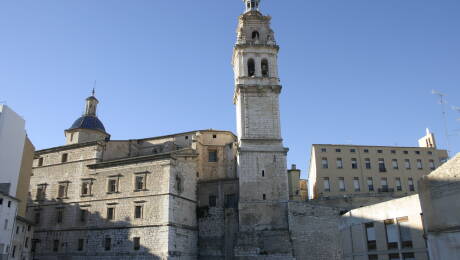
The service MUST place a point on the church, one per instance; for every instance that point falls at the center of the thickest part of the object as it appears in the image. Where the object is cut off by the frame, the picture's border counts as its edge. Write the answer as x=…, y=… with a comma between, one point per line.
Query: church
x=203, y=194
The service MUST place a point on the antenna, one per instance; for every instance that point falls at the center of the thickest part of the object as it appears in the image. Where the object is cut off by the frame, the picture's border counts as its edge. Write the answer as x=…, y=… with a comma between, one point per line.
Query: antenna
x=94, y=88
x=443, y=102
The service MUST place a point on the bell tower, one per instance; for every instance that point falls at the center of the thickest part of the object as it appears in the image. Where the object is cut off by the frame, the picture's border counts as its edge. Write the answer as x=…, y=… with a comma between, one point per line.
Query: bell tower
x=262, y=166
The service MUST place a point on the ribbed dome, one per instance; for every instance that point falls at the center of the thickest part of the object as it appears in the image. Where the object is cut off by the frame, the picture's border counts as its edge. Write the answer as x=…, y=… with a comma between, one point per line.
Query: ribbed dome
x=88, y=122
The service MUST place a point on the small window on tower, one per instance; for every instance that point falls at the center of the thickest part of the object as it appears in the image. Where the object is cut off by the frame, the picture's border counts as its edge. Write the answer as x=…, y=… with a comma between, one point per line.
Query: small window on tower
x=264, y=68
x=251, y=68
x=255, y=35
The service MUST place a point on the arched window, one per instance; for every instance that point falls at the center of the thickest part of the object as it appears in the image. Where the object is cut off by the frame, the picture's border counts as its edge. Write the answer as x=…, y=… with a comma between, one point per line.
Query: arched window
x=264, y=67
x=251, y=68
x=249, y=5
x=255, y=35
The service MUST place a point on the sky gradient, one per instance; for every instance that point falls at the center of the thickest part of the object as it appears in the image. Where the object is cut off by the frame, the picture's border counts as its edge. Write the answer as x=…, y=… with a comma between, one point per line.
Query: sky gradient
x=353, y=72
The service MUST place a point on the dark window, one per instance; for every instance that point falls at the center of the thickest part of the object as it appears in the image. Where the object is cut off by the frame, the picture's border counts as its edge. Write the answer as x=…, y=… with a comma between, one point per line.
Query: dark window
x=417, y=152
x=379, y=151
x=367, y=161
x=9, y=204
x=354, y=163
x=370, y=184
x=186, y=137
x=212, y=156
x=214, y=136
x=263, y=173
x=137, y=243
x=408, y=256
x=373, y=257
x=251, y=68
x=255, y=35
x=323, y=150
x=86, y=188
x=394, y=256
x=352, y=150
x=430, y=152
x=264, y=66
x=107, y=244
x=26, y=243
x=338, y=150
x=34, y=245
x=366, y=150
x=110, y=213
x=59, y=215
x=140, y=183
x=370, y=234
x=55, y=245
x=178, y=184
x=62, y=191
x=37, y=218
x=1, y=201
x=406, y=152
x=41, y=192
x=81, y=243
x=324, y=163
x=83, y=215
x=112, y=186
x=393, y=151
x=411, y=184
x=64, y=157
x=382, y=165
x=212, y=201
x=264, y=197
x=40, y=161
x=231, y=201
x=138, y=212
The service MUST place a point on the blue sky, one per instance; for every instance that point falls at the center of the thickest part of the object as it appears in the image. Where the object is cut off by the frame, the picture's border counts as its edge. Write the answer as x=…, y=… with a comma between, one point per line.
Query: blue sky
x=352, y=71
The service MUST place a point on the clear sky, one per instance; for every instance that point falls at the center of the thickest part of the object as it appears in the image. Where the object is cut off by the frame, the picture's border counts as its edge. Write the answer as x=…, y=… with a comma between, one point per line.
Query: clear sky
x=354, y=71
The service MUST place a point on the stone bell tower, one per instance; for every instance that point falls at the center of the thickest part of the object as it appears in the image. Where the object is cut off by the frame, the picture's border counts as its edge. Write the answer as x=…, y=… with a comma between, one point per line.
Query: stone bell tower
x=262, y=166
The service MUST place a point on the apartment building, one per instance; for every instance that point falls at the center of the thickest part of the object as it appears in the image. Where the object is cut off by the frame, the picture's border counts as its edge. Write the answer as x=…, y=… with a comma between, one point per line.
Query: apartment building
x=297, y=186
x=338, y=170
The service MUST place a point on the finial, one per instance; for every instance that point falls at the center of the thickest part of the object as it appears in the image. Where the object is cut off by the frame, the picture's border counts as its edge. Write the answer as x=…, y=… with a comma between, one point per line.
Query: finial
x=252, y=5
x=94, y=89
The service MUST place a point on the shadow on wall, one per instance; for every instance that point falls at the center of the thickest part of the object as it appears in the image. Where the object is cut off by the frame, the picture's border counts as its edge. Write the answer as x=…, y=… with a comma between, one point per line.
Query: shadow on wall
x=71, y=231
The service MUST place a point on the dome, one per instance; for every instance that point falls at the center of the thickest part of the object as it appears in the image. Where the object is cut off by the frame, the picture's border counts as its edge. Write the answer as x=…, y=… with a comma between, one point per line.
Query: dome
x=88, y=122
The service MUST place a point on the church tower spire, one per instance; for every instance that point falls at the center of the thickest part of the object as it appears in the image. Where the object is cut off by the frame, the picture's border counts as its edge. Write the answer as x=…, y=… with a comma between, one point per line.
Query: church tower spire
x=262, y=166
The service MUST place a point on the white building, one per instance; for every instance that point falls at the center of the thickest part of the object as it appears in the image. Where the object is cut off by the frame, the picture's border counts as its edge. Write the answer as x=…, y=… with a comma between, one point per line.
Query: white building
x=8, y=210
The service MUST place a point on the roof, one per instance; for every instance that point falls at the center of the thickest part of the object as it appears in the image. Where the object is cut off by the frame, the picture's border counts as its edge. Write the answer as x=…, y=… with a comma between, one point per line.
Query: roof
x=88, y=122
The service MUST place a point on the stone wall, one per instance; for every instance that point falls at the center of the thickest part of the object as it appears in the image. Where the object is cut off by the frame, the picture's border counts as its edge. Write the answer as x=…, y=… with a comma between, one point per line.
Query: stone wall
x=314, y=231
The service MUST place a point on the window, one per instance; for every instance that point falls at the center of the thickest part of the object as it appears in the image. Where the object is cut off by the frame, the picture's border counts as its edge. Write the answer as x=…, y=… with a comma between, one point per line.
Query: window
x=341, y=184
x=338, y=150
x=356, y=184
x=384, y=184
x=40, y=161
x=430, y=153
x=62, y=190
x=398, y=184
x=13, y=254
x=9, y=204
x=392, y=234
x=255, y=35
x=263, y=173
x=110, y=213
x=264, y=66
x=59, y=215
x=1, y=201
x=264, y=196
x=352, y=150
x=432, y=166
x=393, y=257
x=113, y=186
x=138, y=210
x=404, y=232
x=41, y=192
x=366, y=150
x=417, y=152
x=136, y=243
x=370, y=184
x=178, y=184
x=370, y=234
x=34, y=245
x=394, y=163
x=419, y=164
x=408, y=256
x=354, y=163
x=26, y=243
x=367, y=162
x=411, y=184
x=81, y=243
x=382, y=165
x=327, y=184
x=83, y=215
x=231, y=201
x=37, y=217
x=212, y=156
x=55, y=245
x=107, y=244
x=407, y=164
x=140, y=182
x=186, y=137
x=86, y=188
x=214, y=136
x=212, y=201
x=393, y=151
x=64, y=157
x=251, y=68
x=323, y=150
x=339, y=163
x=324, y=163
x=373, y=257
x=5, y=226
x=379, y=151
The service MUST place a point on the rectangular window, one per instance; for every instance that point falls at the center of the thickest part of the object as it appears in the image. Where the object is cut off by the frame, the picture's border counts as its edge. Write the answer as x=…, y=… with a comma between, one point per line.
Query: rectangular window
x=411, y=184
x=140, y=182
x=107, y=244
x=37, y=218
x=83, y=215
x=55, y=245
x=370, y=234
x=113, y=186
x=40, y=162
x=324, y=163
x=231, y=201
x=407, y=164
x=41, y=192
x=5, y=226
x=370, y=184
x=64, y=157
x=408, y=256
x=417, y=152
x=398, y=184
x=367, y=161
x=379, y=151
x=392, y=234
x=327, y=184
x=13, y=254
x=62, y=190
x=405, y=233
x=341, y=184
x=432, y=165
x=86, y=188
x=406, y=152
x=352, y=150
x=81, y=243
x=338, y=150
x=366, y=150
x=393, y=257
x=419, y=164
x=373, y=257
x=354, y=163
x=1, y=201
x=137, y=243
x=110, y=213
x=212, y=201
x=393, y=151
x=394, y=163
x=26, y=243
x=59, y=215
x=138, y=212
x=356, y=184
x=212, y=156
x=339, y=163
x=323, y=150
x=382, y=165
x=384, y=185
